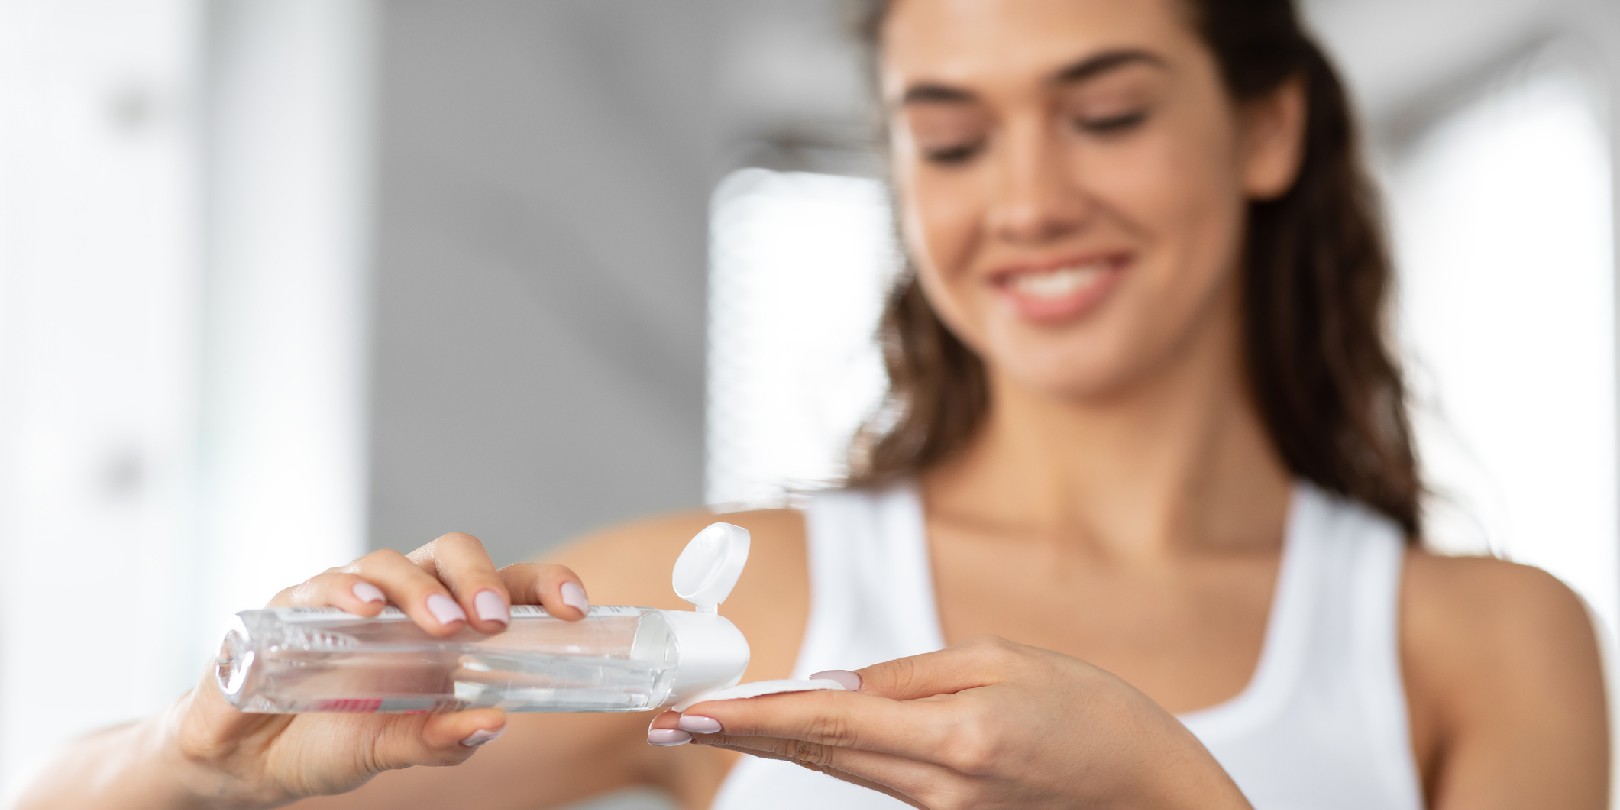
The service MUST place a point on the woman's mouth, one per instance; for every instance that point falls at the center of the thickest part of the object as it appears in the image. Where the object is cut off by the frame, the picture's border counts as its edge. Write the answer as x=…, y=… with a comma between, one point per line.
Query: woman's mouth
x=1059, y=292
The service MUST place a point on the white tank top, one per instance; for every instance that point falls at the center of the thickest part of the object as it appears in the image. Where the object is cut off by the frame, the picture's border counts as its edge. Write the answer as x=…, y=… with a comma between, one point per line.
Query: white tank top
x=1321, y=724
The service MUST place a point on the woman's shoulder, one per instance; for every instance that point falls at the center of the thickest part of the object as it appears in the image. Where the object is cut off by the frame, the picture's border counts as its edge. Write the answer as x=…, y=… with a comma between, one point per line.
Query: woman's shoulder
x=1500, y=658
x=1485, y=602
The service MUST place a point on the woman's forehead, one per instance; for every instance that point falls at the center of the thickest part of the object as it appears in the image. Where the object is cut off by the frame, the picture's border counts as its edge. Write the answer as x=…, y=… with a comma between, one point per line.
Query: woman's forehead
x=983, y=43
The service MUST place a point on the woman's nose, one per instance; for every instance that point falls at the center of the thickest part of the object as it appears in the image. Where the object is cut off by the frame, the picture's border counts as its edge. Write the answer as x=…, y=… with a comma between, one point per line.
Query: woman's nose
x=1036, y=199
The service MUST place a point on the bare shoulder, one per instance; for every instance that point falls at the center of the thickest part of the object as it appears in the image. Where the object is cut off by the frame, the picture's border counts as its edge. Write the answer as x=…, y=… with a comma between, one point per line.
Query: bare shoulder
x=1506, y=680
x=1477, y=607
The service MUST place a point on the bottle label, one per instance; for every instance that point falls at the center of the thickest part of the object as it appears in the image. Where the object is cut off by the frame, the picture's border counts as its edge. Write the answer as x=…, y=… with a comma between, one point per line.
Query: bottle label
x=316, y=614
x=596, y=611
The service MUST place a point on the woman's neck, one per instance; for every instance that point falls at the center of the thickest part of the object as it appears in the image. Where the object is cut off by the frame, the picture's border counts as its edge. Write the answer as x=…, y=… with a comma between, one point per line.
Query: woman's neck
x=1179, y=464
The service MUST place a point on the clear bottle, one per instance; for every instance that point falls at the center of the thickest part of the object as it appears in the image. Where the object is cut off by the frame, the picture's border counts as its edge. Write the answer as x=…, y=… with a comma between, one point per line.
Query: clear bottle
x=616, y=659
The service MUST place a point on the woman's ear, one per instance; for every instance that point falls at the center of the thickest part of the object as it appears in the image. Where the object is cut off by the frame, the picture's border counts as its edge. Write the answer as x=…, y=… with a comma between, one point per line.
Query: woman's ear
x=1274, y=141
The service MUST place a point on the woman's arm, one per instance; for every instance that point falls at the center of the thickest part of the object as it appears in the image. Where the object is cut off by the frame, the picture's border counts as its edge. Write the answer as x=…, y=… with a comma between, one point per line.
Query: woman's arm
x=202, y=753
x=135, y=765
x=1503, y=662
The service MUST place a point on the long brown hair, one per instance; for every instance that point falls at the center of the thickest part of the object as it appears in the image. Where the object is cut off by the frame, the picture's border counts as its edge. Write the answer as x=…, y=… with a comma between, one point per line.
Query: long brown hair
x=1317, y=277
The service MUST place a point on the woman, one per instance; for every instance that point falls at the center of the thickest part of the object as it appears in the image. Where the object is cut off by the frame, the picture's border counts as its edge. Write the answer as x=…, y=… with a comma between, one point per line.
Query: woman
x=1146, y=478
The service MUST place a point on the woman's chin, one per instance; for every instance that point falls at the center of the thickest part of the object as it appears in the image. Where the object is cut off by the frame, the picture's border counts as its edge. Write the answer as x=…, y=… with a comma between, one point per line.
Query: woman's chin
x=1071, y=383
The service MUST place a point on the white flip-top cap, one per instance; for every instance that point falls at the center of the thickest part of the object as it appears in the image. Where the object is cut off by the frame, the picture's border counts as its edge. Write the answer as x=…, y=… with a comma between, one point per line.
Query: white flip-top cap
x=710, y=565
x=713, y=654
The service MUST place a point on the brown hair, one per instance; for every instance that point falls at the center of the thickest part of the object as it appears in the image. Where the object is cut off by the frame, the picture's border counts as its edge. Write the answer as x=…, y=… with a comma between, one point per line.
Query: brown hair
x=1317, y=277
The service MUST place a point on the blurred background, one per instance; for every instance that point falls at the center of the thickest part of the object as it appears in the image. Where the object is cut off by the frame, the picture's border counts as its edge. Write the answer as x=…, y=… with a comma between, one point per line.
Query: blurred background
x=285, y=280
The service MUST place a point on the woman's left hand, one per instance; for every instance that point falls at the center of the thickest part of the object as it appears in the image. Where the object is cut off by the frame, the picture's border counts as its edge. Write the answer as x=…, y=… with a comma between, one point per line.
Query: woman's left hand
x=984, y=724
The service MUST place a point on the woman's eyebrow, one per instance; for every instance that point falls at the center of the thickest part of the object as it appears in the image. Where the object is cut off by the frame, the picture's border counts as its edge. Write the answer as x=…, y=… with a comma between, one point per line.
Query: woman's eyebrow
x=1097, y=64
x=1079, y=71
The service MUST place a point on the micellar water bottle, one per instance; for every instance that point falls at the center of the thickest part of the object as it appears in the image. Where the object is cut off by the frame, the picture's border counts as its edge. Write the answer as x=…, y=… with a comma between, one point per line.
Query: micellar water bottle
x=616, y=659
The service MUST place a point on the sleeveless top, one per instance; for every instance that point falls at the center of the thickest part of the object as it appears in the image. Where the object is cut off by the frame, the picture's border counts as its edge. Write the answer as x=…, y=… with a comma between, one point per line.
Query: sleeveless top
x=1321, y=724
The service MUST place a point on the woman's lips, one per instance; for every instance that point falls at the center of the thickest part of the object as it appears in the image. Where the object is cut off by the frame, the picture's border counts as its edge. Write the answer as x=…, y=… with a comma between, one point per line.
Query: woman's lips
x=1058, y=294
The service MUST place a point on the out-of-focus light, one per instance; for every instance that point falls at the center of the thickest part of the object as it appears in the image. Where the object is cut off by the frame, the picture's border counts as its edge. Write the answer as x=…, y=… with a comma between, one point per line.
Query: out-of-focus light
x=800, y=266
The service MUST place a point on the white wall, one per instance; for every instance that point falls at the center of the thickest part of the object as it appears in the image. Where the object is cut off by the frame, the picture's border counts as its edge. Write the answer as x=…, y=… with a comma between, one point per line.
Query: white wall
x=543, y=180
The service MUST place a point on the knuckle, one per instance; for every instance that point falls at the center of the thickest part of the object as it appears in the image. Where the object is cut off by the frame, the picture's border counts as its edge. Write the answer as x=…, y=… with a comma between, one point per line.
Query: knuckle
x=554, y=571
x=832, y=729
x=373, y=559
x=812, y=755
x=994, y=654
x=461, y=540
x=969, y=756
x=903, y=675
x=993, y=645
x=974, y=744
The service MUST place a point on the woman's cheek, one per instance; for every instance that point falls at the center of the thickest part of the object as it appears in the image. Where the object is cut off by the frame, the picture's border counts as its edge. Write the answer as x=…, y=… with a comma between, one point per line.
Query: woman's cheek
x=941, y=228
x=943, y=207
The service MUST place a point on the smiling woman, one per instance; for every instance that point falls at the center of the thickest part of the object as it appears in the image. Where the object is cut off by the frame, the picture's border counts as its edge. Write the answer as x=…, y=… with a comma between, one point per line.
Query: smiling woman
x=1313, y=290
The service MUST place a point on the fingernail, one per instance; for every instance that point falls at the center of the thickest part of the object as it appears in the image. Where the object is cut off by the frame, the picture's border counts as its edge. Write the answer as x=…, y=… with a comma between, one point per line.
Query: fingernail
x=482, y=736
x=698, y=724
x=491, y=607
x=667, y=736
x=445, y=609
x=367, y=592
x=844, y=677
x=573, y=595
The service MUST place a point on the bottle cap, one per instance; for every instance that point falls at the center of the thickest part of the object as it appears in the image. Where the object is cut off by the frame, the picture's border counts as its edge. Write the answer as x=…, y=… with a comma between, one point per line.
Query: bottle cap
x=712, y=652
x=710, y=565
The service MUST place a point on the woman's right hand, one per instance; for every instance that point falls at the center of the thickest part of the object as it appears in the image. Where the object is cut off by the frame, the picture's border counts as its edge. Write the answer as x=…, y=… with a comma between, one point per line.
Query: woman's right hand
x=268, y=759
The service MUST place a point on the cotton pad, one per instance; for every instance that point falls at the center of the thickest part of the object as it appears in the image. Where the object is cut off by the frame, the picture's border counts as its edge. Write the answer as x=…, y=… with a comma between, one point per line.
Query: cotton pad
x=760, y=689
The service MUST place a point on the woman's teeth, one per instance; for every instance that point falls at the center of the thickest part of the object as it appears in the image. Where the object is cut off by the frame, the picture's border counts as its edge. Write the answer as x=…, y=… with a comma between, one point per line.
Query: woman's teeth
x=1060, y=282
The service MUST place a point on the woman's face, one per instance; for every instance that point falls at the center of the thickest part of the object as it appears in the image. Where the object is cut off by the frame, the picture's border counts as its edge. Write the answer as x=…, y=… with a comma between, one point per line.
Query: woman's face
x=1073, y=180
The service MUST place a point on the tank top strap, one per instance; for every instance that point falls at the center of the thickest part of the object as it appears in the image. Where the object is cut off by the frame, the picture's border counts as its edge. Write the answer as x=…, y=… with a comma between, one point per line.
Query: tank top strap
x=1325, y=714
x=1372, y=650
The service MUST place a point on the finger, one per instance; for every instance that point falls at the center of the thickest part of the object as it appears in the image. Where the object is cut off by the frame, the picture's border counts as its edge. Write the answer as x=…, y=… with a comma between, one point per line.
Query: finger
x=334, y=588
x=460, y=562
x=897, y=777
x=665, y=730
x=421, y=595
x=438, y=739
x=842, y=719
x=554, y=587
x=980, y=662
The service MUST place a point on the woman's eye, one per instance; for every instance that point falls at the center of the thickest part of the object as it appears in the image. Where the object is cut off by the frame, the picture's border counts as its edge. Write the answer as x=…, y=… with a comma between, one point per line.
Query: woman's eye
x=1112, y=124
x=951, y=155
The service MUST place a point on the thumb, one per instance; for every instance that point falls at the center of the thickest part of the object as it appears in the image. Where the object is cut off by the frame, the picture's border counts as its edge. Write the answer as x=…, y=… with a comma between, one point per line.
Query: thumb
x=945, y=672
x=437, y=739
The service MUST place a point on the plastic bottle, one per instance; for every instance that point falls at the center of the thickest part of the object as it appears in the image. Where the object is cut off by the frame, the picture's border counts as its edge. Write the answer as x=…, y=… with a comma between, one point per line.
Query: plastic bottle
x=617, y=659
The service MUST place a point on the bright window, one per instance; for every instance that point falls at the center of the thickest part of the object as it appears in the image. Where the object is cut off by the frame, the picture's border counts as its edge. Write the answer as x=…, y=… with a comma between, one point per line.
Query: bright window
x=800, y=265
x=181, y=421
x=1505, y=233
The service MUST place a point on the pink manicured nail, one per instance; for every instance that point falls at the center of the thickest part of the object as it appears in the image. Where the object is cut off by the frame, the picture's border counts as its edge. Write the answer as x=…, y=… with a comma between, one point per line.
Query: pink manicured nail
x=698, y=724
x=367, y=592
x=491, y=608
x=481, y=736
x=667, y=736
x=844, y=677
x=574, y=596
x=445, y=609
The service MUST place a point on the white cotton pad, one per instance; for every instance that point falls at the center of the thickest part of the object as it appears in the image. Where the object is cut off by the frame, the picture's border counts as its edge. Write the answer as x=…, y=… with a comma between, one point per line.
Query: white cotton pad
x=760, y=689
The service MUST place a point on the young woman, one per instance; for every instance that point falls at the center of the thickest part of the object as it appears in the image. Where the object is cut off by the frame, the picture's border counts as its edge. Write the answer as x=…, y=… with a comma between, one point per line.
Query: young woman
x=1139, y=528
